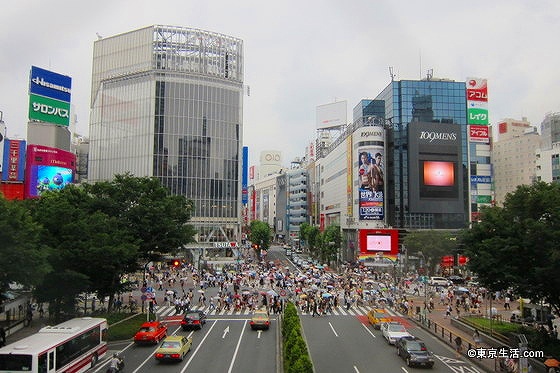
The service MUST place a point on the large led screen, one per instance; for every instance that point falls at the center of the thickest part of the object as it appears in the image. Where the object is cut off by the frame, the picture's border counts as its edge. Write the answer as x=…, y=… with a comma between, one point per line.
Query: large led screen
x=377, y=243
x=47, y=169
x=435, y=168
x=50, y=178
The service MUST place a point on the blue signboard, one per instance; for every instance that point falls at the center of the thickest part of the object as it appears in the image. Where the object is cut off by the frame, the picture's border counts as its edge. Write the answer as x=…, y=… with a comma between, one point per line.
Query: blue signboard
x=50, y=84
x=244, y=178
x=479, y=179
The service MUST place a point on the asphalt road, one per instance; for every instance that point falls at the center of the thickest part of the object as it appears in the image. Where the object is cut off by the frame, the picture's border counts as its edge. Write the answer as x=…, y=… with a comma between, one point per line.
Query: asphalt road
x=225, y=344
x=337, y=343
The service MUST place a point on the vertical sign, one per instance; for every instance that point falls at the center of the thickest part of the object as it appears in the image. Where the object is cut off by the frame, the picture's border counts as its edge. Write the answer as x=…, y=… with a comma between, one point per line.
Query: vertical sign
x=244, y=176
x=477, y=101
x=14, y=158
x=369, y=143
x=349, y=172
x=2, y=138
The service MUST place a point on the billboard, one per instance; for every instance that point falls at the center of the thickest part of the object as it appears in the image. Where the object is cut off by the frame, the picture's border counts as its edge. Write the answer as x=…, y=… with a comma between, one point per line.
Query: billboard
x=244, y=176
x=331, y=115
x=479, y=133
x=14, y=160
x=369, y=143
x=47, y=110
x=376, y=242
x=50, y=84
x=49, y=96
x=477, y=101
x=47, y=169
x=435, y=168
x=2, y=138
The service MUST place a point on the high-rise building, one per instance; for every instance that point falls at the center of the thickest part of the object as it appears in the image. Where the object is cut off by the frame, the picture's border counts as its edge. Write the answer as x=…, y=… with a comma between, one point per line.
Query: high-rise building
x=513, y=156
x=167, y=102
x=427, y=168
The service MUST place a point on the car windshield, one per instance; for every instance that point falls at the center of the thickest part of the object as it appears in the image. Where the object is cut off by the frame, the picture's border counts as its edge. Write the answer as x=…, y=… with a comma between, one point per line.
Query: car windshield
x=380, y=315
x=396, y=328
x=195, y=316
x=416, y=346
x=147, y=329
x=170, y=345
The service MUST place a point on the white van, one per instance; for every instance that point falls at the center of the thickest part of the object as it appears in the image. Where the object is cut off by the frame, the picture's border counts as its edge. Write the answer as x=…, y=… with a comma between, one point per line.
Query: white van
x=439, y=281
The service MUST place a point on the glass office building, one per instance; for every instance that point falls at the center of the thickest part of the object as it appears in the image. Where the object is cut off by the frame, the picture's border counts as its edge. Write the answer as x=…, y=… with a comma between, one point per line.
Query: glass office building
x=167, y=102
x=427, y=154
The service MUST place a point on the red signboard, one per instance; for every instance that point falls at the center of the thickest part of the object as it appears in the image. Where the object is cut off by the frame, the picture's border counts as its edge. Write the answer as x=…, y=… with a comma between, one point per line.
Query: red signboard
x=379, y=242
x=47, y=168
x=477, y=90
x=478, y=133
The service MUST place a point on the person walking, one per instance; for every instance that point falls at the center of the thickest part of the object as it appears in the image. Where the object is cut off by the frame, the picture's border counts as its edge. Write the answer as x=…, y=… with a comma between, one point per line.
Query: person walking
x=476, y=338
x=458, y=345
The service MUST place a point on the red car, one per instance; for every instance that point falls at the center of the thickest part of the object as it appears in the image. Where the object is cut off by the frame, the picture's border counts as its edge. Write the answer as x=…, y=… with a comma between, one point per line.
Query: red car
x=151, y=332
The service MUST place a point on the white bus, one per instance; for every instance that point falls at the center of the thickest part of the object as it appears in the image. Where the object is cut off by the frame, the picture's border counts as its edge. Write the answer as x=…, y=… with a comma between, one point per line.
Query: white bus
x=71, y=347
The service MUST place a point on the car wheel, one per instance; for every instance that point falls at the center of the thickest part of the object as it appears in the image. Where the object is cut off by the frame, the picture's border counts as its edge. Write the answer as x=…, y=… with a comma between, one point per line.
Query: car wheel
x=431, y=366
x=408, y=363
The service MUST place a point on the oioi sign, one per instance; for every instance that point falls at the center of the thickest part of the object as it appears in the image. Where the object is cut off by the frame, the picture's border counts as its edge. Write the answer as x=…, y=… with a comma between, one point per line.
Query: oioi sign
x=49, y=96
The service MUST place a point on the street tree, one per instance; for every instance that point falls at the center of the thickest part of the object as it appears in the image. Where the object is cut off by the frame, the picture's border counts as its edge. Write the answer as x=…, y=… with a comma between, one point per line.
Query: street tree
x=22, y=254
x=310, y=236
x=330, y=241
x=431, y=245
x=518, y=245
x=89, y=250
x=260, y=234
x=158, y=219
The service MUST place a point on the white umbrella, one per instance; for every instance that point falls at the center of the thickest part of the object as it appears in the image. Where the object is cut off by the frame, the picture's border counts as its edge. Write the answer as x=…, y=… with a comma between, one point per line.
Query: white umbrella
x=200, y=291
x=272, y=293
x=169, y=292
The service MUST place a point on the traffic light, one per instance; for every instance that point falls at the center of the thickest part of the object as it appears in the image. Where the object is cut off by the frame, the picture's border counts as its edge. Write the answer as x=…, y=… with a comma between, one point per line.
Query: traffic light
x=402, y=235
x=176, y=262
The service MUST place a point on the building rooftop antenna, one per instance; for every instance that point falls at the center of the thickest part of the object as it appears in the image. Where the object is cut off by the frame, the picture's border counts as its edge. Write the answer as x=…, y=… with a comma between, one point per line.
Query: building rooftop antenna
x=391, y=74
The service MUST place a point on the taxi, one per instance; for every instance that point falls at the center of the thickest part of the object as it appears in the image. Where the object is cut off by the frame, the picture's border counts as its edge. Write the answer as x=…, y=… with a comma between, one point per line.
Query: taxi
x=173, y=348
x=151, y=332
x=260, y=320
x=378, y=316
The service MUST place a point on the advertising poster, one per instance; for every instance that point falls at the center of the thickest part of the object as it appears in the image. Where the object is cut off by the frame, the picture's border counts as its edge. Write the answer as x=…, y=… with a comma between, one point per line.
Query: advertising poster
x=370, y=150
x=48, y=169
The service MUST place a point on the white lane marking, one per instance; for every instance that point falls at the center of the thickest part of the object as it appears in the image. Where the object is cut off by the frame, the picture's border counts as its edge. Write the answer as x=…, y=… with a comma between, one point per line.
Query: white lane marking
x=237, y=347
x=198, y=347
x=334, y=331
x=369, y=331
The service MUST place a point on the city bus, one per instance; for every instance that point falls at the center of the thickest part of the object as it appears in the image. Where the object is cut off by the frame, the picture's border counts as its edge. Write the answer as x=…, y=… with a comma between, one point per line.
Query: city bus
x=71, y=347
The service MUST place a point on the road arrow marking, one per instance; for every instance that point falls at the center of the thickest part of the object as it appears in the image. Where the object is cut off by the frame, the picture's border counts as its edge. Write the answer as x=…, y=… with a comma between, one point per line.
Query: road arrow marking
x=226, y=330
x=259, y=334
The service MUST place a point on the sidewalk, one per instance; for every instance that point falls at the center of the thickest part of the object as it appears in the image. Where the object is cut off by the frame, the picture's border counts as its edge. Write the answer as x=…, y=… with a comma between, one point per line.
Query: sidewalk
x=446, y=330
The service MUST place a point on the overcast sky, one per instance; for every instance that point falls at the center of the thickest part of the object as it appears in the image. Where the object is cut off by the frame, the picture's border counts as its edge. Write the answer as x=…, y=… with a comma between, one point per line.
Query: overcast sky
x=301, y=54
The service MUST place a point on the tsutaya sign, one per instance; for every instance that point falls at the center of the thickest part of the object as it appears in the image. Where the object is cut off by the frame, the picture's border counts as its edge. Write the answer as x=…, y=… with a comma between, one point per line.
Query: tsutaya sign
x=223, y=245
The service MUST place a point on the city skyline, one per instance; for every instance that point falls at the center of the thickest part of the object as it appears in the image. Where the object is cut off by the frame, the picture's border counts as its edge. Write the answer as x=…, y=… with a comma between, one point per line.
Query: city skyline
x=302, y=55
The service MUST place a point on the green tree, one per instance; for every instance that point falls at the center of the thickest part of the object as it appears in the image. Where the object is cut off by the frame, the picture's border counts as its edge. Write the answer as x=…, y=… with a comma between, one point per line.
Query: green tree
x=310, y=235
x=330, y=241
x=518, y=245
x=260, y=234
x=432, y=245
x=22, y=255
x=89, y=250
x=158, y=219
